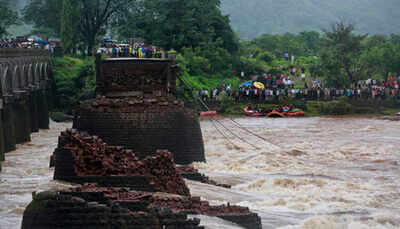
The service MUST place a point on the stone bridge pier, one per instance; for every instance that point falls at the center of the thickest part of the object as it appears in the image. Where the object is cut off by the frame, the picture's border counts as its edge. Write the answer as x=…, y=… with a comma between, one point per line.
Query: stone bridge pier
x=25, y=93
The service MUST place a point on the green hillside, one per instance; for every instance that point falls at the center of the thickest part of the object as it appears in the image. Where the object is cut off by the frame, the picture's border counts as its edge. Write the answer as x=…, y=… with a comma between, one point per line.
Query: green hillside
x=251, y=18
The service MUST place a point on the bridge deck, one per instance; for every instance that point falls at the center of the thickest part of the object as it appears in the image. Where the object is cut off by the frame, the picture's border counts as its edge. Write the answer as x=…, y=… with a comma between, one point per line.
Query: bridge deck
x=137, y=59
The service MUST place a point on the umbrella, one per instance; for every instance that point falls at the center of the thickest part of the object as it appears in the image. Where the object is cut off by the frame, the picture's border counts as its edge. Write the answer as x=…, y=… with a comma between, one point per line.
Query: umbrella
x=259, y=85
x=44, y=42
x=247, y=84
x=34, y=38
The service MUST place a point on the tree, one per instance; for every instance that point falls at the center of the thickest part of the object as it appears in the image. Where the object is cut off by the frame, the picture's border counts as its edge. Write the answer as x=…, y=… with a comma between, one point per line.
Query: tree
x=340, y=55
x=303, y=44
x=69, y=26
x=382, y=56
x=92, y=16
x=8, y=17
x=175, y=24
x=312, y=42
x=391, y=59
x=95, y=15
x=44, y=14
x=395, y=39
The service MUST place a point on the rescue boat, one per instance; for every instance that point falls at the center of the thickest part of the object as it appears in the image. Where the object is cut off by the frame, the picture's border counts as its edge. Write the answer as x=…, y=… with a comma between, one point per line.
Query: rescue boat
x=252, y=113
x=276, y=114
x=208, y=113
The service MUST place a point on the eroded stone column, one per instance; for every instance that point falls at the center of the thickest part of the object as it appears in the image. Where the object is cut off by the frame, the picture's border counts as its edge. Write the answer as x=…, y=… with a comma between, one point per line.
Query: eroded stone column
x=33, y=107
x=43, y=110
x=22, y=120
x=9, y=125
x=1, y=133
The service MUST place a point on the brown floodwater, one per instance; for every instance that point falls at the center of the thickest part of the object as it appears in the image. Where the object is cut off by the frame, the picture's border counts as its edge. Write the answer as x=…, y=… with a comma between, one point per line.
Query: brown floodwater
x=331, y=172
x=328, y=173
x=27, y=170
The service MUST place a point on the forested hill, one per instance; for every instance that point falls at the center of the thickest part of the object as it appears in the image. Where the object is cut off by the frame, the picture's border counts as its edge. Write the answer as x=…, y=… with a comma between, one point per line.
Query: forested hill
x=251, y=18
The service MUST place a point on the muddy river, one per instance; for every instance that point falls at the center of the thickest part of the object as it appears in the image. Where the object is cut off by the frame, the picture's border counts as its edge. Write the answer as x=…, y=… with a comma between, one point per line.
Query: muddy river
x=328, y=173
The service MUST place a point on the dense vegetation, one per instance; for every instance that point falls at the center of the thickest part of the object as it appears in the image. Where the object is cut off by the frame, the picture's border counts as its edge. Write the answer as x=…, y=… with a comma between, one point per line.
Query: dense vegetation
x=175, y=24
x=337, y=56
x=209, y=53
x=74, y=78
x=8, y=16
x=252, y=18
x=207, y=45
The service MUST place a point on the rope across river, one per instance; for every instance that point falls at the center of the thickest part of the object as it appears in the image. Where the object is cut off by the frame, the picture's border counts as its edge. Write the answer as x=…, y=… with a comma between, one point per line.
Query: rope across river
x=216, y=121
x=229, y=130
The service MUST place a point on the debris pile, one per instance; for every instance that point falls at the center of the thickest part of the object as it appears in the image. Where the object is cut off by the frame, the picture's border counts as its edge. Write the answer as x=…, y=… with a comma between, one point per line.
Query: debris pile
x=50, y=210
x=193, y=205
x=112, y=154
x=144, y=201
x=94, y=158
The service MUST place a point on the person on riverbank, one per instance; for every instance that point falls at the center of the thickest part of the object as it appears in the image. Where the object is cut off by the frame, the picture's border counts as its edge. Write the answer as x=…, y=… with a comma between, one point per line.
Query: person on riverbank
x=281, y=88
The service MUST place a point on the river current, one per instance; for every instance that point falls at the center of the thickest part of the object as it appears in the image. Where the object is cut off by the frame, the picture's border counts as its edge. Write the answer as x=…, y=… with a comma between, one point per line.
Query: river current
x=306, y=173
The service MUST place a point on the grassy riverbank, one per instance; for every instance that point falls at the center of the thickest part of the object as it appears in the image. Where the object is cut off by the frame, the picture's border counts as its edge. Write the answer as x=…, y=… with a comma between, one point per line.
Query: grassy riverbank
x=75, y=77
x=342, y=106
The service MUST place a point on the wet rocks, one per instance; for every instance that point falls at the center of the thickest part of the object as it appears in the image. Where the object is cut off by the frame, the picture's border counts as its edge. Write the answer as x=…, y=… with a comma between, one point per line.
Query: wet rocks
x=190, y=173
x=295, y=153
x=177, y=205
x=60, y=117
x=64, y=211
x=129, y=192
x=90, y=206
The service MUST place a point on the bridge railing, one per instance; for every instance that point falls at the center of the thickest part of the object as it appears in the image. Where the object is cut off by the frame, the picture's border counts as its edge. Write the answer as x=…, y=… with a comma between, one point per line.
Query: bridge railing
x=18, y=52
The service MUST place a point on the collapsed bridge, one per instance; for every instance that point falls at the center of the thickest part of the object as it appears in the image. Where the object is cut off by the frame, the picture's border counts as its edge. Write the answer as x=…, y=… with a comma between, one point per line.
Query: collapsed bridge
x=136, y=107
x=124, y=150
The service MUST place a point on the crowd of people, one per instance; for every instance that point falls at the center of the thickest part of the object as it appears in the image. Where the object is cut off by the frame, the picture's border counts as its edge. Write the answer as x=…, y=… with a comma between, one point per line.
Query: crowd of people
x=136, y=49
x=113, y=49
x=369, y=89
x=25, y=43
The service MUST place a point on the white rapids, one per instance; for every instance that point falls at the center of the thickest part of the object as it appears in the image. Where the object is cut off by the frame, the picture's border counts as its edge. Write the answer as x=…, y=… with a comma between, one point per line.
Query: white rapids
x=311, y=173
x=26, y=170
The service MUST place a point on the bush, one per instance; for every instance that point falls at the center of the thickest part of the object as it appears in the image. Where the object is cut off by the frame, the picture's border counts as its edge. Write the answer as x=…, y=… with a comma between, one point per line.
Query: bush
x=252, y=66
x=73, y=78
x=336, y=107
x=266, y=57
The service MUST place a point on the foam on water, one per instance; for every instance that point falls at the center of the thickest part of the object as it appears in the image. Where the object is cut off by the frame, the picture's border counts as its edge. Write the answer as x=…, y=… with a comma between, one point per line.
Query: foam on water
x=347, y=222
x=319, y=172
x=311, y=173
x=26, y=170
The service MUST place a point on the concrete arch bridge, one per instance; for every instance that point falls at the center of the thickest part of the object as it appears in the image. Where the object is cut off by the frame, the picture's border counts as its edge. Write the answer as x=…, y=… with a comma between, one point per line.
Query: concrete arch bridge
x=25, y=92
